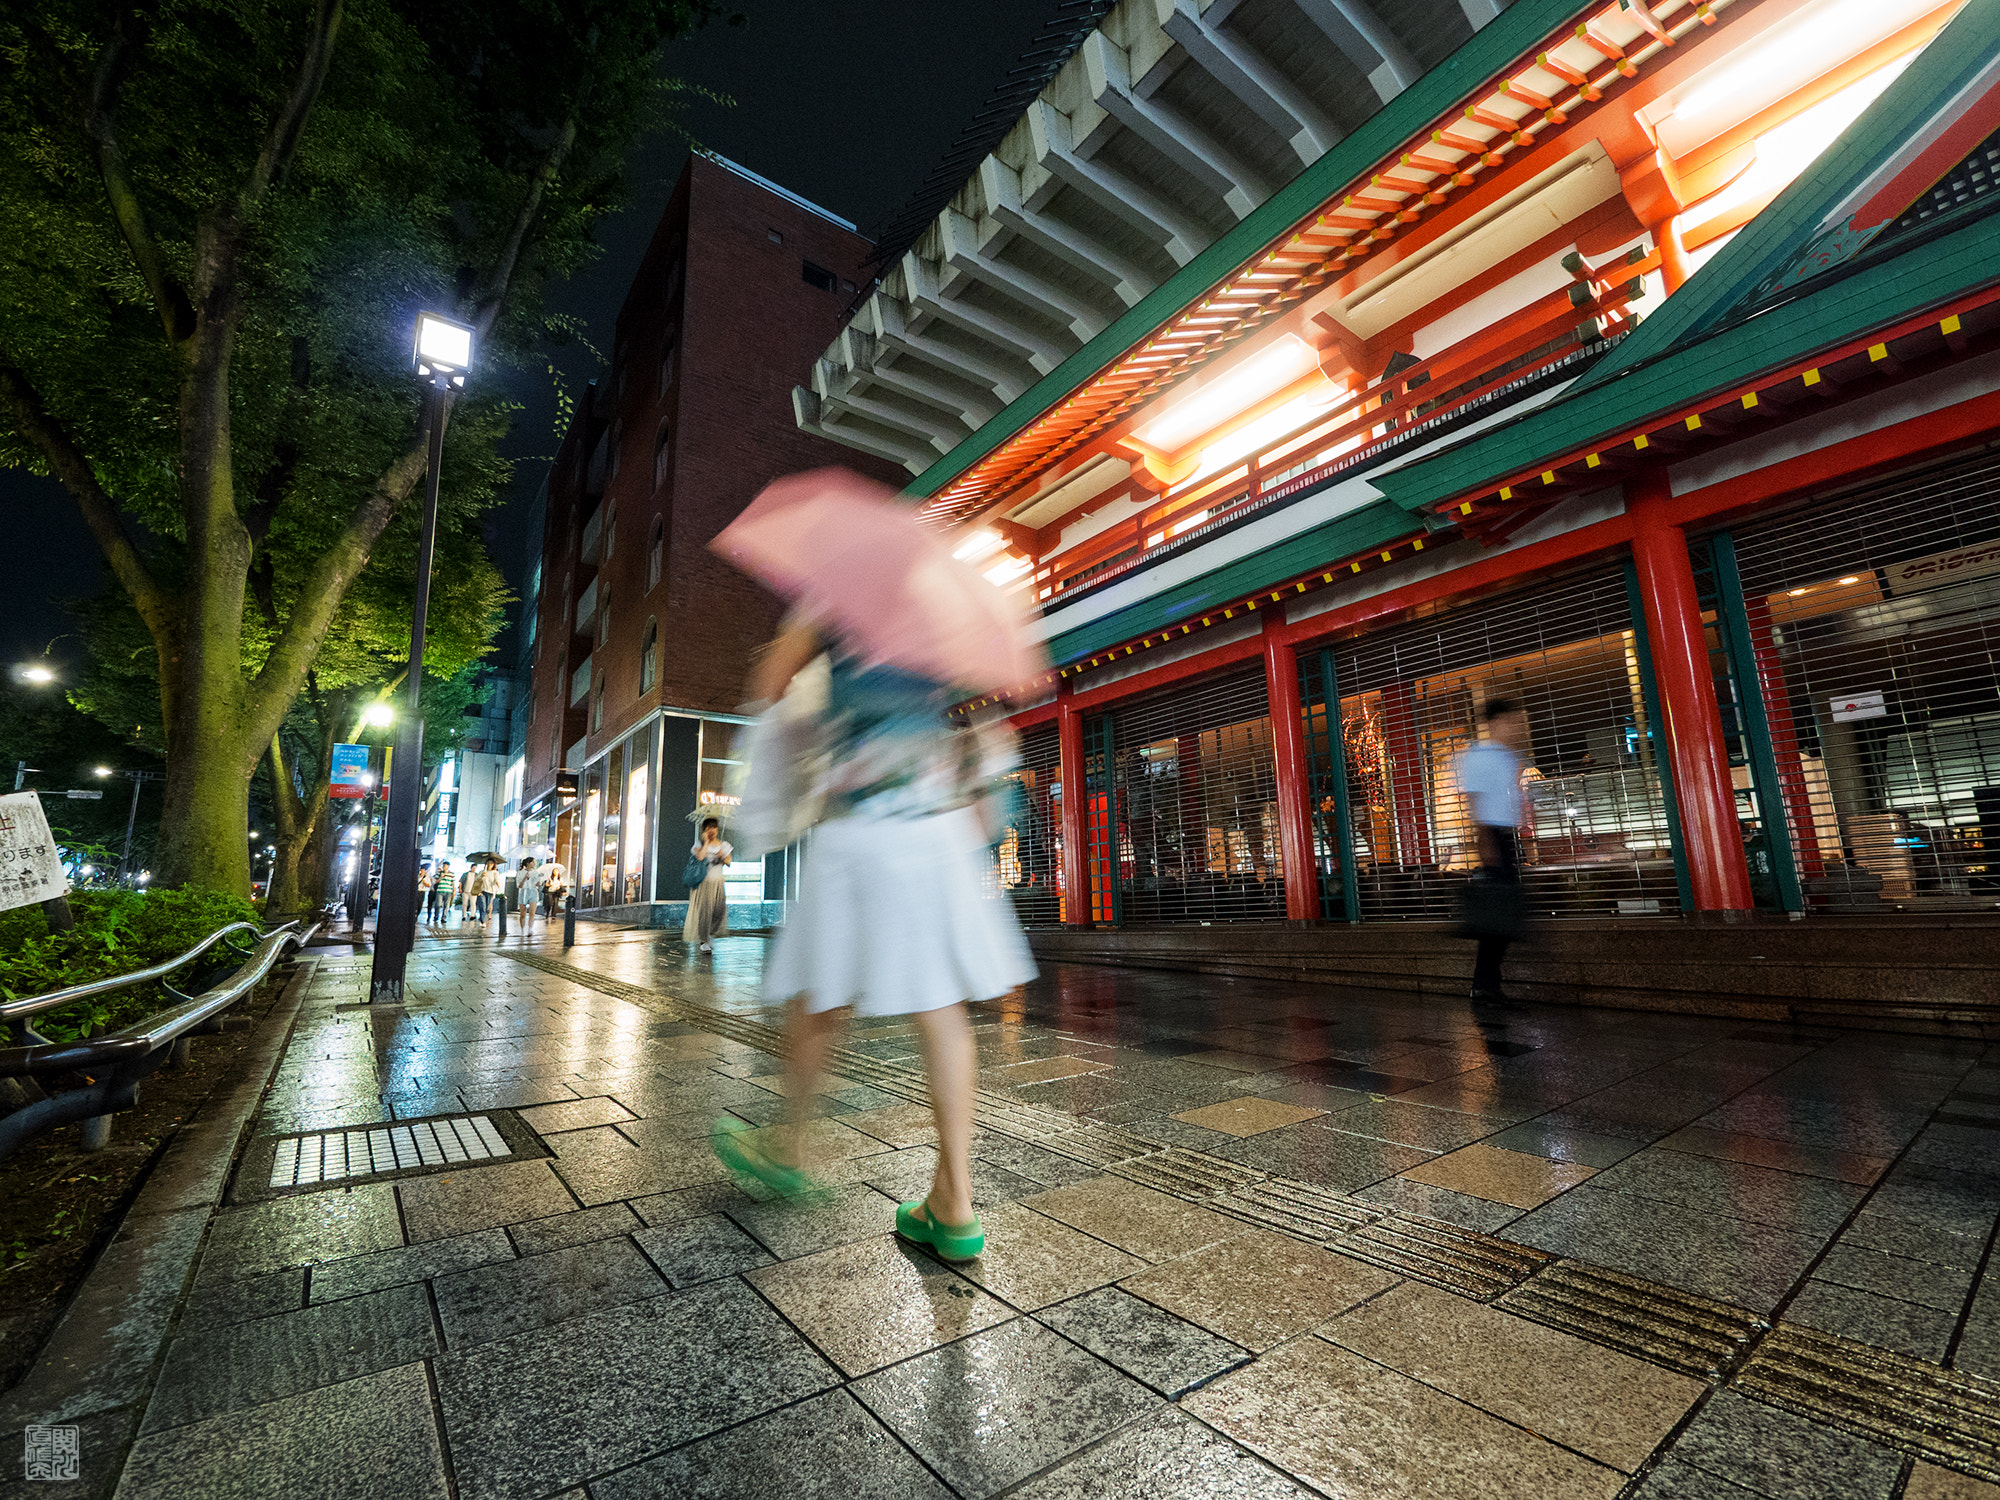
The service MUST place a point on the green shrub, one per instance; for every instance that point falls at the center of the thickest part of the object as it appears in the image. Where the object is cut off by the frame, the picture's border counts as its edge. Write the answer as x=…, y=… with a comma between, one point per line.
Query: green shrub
x=115, y=933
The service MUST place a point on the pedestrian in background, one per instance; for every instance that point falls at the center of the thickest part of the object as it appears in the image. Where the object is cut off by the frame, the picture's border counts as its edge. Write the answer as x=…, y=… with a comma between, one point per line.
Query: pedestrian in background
x=1489, y=775
x=443, y=886
x=528, y=891
x=708, y=901
x=492, y=891
x=426, y=881
x=555, y=886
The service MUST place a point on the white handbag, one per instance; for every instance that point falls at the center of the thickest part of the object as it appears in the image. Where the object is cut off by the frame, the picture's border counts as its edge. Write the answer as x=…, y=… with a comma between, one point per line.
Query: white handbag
x=781, y=776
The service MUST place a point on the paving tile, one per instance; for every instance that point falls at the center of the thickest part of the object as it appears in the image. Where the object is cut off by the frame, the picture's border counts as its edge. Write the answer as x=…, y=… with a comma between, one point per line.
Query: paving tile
x=690, y=1202
x=386, y=1268
x=1032, y=1260
x=560, y=1231
x=1029, y=1161
x=1789, y=1200
x=906, y=1175
x=1259, y=1288
x=895, y=1124
x=611, y=1168
x=1039, y=1070
x=827, y=1448
x=1170, y=1354
x=1732, y=1260
x=1785, y=1456
x=1461, y=1209
x=823, y=1141
x=1317, y=1154
x=702, y=1249
x=793, y=1227
x=1413, y=1124
x=1757, y=1151
x=1609, y=1406
x=475, y=1198
x=373, y=1435
x=869, y=1304
x=1852, y=1264
x=1247, y=1116
x=1674, y=1480
x=1138, y=1220
x=1886, y=1322
x=1501, y=1176
x=1581, y=1147
x=496, y=1302
x=990, y=1410
x=684, y=1128
x=579, y=1114
x=301, y=1231
x=1167, y=1456
x=531, y=1414
x=1914, y=1241
x=1929, y=1482
x=218, y=1300
x=246, y=1364
x=1350, y=1427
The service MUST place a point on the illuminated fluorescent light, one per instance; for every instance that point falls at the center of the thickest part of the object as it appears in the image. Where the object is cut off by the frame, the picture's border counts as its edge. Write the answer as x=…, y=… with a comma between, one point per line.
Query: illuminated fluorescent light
x=979, y=544
x=1287, y=359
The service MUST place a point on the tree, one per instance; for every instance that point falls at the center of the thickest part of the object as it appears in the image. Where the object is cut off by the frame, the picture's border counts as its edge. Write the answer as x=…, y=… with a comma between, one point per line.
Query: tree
x=222, y=217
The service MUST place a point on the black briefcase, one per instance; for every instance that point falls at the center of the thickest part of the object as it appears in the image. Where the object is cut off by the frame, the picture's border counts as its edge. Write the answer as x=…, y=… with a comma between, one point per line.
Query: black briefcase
x=1491, y=906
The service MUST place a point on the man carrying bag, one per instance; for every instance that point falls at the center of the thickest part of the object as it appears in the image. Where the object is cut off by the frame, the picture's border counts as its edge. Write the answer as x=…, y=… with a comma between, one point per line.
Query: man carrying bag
x=1489, y=774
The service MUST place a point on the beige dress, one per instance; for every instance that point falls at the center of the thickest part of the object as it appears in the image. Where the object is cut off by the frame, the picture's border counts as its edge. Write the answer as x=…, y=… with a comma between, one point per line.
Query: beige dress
x=708, y=903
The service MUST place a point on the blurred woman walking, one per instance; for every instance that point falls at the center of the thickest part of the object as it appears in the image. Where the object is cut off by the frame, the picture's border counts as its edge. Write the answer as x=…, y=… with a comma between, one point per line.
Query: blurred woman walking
x=708, y=900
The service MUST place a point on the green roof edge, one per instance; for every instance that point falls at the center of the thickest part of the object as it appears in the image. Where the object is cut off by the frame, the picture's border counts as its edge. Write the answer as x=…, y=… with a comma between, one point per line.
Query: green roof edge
x=1498, y=43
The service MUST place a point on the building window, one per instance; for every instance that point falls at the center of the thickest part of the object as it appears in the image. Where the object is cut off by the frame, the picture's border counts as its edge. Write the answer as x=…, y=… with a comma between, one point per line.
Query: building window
x=656, y=553
x=597, y=709
x=667, y=347
x=610, y=531
x=663, y=455
x=673, y=283
x=774, y=237
x=617, y=441
x=820, y=277
x=649, y=656
x=604, y=613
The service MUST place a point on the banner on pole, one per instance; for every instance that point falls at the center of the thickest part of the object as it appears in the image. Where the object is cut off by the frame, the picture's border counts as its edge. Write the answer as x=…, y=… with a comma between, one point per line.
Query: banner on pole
x=350, y=776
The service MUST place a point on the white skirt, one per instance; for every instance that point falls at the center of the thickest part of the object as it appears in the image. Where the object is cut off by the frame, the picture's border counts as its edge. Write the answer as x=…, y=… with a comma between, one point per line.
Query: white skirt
x=891, y=920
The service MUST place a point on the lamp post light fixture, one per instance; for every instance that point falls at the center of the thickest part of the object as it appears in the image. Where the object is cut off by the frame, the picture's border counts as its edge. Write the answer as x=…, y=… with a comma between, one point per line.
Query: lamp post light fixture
x=138, y=779
x=36, y=673
x=443, y=358
x=378, y=715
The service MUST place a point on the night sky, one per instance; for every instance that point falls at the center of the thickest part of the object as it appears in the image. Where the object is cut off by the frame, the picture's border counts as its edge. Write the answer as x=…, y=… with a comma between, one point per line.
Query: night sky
x=846, y=102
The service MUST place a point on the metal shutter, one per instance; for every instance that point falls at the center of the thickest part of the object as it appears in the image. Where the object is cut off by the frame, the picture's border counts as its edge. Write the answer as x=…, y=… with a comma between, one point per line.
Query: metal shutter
x=1187, y=781
x=1596, y=839
x=1874, y=621
x=1030, y=853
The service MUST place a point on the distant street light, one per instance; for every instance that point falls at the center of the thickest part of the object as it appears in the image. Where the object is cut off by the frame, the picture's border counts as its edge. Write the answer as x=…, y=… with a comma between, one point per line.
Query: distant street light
x=443, y=358
x=139, y=779
x=378, y=714
x=34, y=672
x=104, y=770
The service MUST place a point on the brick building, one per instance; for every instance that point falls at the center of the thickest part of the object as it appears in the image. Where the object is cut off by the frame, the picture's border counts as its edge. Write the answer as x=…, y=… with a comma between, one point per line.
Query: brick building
x=638, y=638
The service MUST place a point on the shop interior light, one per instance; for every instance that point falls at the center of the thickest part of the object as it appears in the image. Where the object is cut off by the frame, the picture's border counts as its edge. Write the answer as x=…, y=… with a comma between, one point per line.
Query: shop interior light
x=1270, y=370
x=1850, y=580
x=979, y=544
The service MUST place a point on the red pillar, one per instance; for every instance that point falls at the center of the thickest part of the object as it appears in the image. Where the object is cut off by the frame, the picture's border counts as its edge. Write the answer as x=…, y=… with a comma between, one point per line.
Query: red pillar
x=1069, y=740
x=1784, y=739
x=1406, y=776
x=1288, y=748
x=1692, y=730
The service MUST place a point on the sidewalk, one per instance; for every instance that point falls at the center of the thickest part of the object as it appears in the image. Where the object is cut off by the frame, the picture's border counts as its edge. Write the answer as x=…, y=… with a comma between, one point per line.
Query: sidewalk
x=1245, y=1239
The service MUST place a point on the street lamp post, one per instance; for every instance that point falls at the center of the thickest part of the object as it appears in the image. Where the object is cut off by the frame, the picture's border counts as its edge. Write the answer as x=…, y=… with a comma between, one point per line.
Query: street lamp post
x=139, y=779
x=443, y=356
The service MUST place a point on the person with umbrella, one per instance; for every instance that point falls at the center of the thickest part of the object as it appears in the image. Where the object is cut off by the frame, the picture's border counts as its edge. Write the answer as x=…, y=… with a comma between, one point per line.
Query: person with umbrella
x=708, y=899
x=904, y=626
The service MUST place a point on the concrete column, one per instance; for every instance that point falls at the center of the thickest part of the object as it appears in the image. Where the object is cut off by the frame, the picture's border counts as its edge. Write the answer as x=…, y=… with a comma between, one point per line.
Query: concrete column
x=1288, y=748
x=1692, y=721
x=1069, y=739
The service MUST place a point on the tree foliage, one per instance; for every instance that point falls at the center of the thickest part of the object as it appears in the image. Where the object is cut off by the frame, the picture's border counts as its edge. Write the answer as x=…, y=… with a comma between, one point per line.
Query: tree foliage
x=221, y=219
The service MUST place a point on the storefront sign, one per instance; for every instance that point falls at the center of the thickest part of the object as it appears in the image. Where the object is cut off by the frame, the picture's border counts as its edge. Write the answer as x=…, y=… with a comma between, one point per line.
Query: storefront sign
x=1851, y=706
x=30, y=864
x=1944, y=567
x=717, y=799
x=350, y=771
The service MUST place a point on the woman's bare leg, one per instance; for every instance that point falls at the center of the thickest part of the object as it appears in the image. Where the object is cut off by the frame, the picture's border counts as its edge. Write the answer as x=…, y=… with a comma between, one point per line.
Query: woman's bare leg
x=950, y=1065
x=809, y=1036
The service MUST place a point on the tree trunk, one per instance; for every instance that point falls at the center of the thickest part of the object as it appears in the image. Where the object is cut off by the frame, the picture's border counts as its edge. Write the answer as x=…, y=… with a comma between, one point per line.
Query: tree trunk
x=316, y=865
x=203, y=817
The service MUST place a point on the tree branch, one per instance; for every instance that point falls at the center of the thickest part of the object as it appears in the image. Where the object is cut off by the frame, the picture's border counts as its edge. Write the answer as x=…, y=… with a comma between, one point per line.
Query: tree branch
x=509, y=257
x=170, y=299
x=283, y=142
x=321, y=591
x=100, y=512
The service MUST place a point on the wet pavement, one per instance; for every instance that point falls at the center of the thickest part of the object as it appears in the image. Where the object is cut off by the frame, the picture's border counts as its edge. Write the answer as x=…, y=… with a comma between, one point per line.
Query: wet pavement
x=1244, y=1239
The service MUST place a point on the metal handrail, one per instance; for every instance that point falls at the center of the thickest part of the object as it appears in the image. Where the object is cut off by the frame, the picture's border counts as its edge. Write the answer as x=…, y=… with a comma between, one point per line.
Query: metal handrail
x=32, y=1005
x=116, y=1063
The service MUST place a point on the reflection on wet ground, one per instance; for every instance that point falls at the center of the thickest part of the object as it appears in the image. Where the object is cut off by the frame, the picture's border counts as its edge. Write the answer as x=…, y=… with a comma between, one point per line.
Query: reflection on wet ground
x=1245, y=1239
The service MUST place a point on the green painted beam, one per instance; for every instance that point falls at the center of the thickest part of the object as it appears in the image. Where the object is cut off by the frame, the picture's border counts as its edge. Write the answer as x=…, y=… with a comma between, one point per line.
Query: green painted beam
x=1440, y=91
x=1925, y=277
x=1373, y=525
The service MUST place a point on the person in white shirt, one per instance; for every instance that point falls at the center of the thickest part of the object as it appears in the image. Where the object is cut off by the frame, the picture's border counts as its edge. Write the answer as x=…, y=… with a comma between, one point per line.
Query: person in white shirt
x=528, y=891
x=1489, y=774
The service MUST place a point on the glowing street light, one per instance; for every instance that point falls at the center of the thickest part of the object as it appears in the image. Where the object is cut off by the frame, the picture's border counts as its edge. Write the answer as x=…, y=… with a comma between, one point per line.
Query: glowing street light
x=104, y=771
x=444, y=349
x=378, y=714
x=36, y=673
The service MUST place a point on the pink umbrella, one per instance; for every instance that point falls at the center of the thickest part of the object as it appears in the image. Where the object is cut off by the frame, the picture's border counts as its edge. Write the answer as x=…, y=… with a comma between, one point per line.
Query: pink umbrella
x=851, y=554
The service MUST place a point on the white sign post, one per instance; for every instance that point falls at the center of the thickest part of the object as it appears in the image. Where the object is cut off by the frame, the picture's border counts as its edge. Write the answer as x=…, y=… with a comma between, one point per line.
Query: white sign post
x=30, y=864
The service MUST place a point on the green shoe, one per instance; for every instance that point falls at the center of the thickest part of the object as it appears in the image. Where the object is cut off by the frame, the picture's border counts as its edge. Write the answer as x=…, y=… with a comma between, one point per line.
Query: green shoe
x=747, y=1162
x=952, y=1242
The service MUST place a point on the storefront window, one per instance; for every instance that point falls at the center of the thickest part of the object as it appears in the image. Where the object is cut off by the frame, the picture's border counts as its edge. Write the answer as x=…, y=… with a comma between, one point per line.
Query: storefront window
x=638, y=806
x=614, y=786
x=584, y=875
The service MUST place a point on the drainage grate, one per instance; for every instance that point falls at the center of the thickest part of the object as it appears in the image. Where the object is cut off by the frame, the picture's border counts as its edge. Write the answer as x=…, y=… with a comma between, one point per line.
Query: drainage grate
x=276, y=1166
x=387, y=1148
